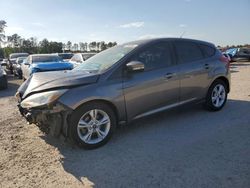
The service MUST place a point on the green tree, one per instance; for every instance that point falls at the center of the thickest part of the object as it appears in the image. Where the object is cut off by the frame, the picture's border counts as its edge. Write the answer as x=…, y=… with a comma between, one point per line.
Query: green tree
x=69, y=45
x=103, y=46
x=75, y=47
x=2, y=27
x=63, y=47
x=14, y=40
x=44, y=46
x=93, y=46
x=55, y=47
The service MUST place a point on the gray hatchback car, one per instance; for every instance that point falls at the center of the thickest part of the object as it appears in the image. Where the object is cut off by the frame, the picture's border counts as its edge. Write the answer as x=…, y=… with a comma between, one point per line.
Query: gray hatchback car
x=125, y=83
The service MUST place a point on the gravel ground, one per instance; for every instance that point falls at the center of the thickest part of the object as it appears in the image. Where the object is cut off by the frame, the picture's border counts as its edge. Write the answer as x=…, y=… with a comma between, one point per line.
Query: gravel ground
x=185, y=147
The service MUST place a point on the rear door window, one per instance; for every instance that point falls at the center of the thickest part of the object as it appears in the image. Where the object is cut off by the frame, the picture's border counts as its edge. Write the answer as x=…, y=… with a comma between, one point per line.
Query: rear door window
x=207, y=50
x=187, y=51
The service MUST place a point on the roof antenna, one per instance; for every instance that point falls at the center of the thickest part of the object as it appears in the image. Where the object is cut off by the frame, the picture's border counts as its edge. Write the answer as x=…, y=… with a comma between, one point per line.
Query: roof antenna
x=184, y=32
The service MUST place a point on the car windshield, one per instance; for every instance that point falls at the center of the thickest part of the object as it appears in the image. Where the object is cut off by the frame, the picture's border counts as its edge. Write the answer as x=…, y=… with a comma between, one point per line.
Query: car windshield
x=66, y=56
x=18, y=55
x=45, y=59
x=104, y=60
x=20, y=60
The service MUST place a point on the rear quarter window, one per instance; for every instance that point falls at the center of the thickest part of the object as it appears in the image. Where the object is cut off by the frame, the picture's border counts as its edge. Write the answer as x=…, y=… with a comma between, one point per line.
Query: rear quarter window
x=207, y=50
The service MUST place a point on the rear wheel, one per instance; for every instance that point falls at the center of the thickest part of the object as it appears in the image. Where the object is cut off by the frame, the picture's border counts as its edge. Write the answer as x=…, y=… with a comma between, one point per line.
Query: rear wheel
x=217, y=96
x=92, y=125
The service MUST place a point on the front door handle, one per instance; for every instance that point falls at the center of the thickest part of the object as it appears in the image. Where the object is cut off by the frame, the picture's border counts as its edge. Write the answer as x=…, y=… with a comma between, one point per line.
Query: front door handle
x=206, y=66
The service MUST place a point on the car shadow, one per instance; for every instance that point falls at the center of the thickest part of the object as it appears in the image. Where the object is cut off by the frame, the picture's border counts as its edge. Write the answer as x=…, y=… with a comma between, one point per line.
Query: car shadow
x=142, y=148
x=234, y=71
x=240, y=64
x=234, y=66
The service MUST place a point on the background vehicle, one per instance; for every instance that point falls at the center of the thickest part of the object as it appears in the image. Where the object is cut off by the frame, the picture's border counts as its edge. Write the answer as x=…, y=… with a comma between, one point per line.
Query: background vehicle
x=12, y=60
x=3, y=78
x=4, y=62
x=79, y=58
x=17, y=71
x=65, y=56
x=125, y=83
x=43, y=63
x=239, y=53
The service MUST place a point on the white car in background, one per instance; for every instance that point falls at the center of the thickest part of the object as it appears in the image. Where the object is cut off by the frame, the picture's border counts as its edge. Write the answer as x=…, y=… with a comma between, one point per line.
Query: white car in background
x=79, y=58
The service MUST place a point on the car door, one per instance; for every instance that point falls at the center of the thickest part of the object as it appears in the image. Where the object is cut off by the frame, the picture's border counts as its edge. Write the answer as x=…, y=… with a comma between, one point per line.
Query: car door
x=193, y=70
x=154, y=88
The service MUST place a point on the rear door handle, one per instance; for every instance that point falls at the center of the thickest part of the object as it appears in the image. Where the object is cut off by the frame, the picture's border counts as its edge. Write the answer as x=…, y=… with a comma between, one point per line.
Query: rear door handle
x=206, y=66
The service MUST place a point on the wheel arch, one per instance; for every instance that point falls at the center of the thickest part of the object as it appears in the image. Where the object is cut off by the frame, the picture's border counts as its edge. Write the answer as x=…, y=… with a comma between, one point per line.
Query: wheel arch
x=109, y=103
x=225, y=80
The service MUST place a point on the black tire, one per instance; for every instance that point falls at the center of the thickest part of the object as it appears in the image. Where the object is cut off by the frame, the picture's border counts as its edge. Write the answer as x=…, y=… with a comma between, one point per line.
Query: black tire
x=209, y=105
x=77, y=115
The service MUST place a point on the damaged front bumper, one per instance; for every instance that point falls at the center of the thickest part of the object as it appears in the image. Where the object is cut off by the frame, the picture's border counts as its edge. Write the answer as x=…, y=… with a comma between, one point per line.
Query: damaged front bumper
x=50, y=119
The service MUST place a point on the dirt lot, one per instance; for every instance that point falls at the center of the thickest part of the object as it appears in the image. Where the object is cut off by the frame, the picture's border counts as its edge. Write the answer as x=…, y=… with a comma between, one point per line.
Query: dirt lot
x=186, y=147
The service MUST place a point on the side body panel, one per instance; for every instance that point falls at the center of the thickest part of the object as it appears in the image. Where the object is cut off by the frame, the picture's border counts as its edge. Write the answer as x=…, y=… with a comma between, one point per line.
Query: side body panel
x=147, y=91
x=110, y=91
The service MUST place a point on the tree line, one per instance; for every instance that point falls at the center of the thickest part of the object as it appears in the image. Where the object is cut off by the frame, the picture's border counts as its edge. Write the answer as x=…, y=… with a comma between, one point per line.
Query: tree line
x=16, y=43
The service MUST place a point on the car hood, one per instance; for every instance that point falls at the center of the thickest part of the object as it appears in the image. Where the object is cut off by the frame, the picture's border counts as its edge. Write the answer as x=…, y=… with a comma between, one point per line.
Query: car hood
x=39, y=82
x=52, y=66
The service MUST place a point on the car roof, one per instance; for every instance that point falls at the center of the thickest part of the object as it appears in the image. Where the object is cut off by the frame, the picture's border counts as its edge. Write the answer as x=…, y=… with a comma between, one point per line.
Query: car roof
x=147, y=41
x=40, y=55
x=19, y=53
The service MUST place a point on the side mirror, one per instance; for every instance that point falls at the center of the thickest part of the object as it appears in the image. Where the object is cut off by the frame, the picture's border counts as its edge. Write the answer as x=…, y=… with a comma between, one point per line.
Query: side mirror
x=135, y=66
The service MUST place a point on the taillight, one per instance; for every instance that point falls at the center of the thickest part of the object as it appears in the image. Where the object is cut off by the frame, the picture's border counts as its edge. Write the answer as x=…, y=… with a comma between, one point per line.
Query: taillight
x=225, y=60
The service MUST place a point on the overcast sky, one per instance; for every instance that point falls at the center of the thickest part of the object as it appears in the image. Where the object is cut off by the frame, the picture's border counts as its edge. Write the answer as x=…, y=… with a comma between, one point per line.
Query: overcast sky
x=222, y=22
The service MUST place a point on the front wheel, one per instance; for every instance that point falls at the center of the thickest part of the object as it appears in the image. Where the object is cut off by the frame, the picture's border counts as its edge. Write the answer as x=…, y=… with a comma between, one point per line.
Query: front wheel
x=217, y=96
x=92, y=125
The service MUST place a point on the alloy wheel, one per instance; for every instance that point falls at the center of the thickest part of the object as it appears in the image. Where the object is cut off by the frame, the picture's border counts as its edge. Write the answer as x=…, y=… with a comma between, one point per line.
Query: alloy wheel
x=218, y=95
x=93, y=126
